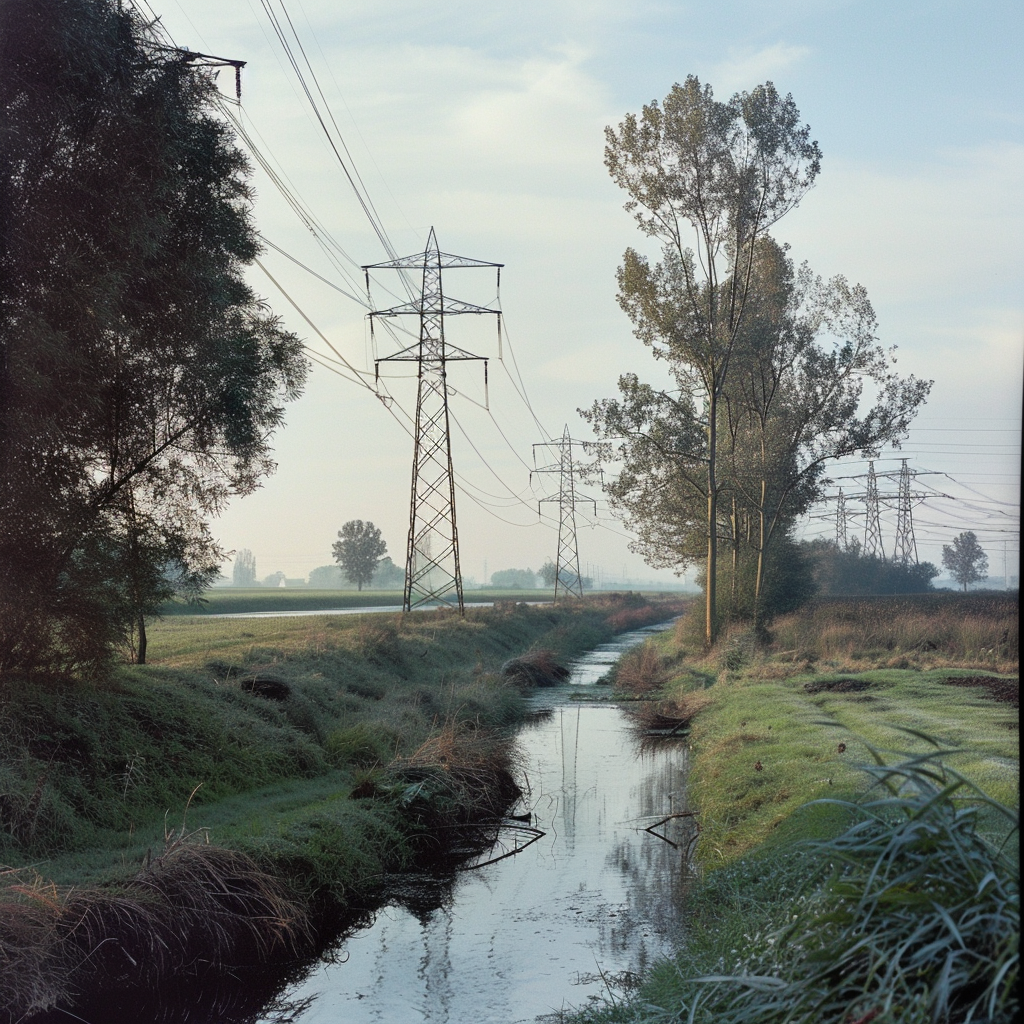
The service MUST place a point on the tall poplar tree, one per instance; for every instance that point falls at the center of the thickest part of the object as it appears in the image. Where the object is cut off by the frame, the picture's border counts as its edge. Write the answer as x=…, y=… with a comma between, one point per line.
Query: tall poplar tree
x=707, y=179
x=768, y=363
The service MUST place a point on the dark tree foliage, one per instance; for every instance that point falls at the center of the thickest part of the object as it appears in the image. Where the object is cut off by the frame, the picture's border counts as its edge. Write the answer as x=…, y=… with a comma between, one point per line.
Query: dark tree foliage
x=140, y=377
x=358, y=551
x=837, y=572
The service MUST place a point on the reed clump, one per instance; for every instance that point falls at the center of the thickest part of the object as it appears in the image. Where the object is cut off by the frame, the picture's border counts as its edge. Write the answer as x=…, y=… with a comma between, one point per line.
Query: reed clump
x=457, y=776
x=195, y=903
x=535, y=668
x=642, y=671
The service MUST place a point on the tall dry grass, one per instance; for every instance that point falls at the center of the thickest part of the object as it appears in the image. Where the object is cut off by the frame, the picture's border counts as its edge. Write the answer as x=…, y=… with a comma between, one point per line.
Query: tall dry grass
x=925, y=631
x=193, y=903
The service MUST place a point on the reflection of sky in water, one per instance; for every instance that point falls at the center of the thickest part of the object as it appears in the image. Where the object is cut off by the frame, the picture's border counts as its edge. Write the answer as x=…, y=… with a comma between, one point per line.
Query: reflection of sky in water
x=533, y=933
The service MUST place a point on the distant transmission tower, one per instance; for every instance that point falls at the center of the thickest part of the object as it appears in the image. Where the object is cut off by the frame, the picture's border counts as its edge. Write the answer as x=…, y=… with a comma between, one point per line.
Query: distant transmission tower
x=567, y=561
x=905, y=551
x=432, y=571
x=873, y=525
x=841, y=542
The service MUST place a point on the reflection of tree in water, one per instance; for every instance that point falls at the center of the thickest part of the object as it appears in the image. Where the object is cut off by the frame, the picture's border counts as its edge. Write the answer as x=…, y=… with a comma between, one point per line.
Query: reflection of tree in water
x=655, y=873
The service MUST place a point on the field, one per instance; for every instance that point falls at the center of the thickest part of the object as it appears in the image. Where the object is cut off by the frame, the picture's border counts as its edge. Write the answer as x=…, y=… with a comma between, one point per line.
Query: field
x=231, y=600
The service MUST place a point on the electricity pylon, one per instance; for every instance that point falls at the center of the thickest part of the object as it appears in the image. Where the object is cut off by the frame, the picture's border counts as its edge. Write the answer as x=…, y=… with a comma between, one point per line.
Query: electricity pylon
x=873, y=525
x=841, y=542
x=567, y=561
x=432, y=571
x=905, y=550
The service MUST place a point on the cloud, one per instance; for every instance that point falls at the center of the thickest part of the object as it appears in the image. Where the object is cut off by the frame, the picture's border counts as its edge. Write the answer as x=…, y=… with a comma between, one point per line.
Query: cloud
x=744, y=69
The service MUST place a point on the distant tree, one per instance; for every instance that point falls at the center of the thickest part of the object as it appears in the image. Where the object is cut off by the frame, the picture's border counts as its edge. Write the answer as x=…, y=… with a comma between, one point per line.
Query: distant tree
x=388, y=575
x=141, y=379
x=358, y=551
x=965, y=560
x=547, y=573
x=244, y=571
x=326, y=577
x=275, y=579
x=514, y=579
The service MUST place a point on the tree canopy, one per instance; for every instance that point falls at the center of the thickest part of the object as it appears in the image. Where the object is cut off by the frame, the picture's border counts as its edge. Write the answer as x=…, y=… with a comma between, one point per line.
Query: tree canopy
x=358, y=551
x=141, y=379
x=768, y=362
x=514, y=579
x=244, y=570
x=965, y=559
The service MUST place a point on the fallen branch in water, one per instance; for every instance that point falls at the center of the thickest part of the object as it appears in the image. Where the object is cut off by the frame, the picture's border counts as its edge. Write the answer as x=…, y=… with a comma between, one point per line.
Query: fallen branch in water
x=668, y=818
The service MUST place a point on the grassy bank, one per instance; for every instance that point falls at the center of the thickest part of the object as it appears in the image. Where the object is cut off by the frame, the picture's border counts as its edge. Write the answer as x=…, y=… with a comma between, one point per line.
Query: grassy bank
x=257, y=777
x=846, y=931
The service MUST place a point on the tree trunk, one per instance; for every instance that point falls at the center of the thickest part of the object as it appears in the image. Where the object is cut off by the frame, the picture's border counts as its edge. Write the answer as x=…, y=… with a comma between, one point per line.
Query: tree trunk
x=735, y=583
x=140, y=654
x=711, y=612
x=760, y=554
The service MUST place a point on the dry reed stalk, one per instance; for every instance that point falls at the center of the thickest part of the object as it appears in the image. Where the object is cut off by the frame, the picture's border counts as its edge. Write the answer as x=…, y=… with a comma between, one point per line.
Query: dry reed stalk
x=193, y=904
x=641, y=671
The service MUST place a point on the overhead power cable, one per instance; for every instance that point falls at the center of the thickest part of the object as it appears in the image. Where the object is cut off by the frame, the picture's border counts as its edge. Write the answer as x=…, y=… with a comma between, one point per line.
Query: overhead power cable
x=351, y=174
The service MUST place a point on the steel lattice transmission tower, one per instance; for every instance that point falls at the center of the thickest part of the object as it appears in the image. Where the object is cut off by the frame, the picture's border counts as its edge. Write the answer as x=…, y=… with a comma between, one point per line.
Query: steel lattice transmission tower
x=567, y=562
x=873, y=524
x=841, y=541
x=905, y=550
x=432, y=571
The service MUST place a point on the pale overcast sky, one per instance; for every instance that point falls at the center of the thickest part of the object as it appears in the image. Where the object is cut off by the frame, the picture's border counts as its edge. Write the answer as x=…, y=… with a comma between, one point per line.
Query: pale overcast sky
x=486, y=121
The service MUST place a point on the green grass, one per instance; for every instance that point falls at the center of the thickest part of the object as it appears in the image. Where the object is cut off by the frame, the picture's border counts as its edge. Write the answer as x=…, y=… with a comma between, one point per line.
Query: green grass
x=795, y=736
x=230, y=600
x=94, y=766
x=765, y=751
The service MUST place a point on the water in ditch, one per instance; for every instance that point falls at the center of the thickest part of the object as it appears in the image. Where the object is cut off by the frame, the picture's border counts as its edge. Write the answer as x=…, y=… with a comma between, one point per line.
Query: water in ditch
x=579, y=911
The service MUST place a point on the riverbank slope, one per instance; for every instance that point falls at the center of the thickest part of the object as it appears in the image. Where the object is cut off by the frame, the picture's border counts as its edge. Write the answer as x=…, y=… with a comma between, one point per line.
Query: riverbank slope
x=929, y=684
x=226, y=802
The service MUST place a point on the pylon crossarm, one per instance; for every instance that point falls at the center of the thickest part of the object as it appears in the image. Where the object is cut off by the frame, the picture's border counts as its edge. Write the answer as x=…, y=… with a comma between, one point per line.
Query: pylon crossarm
x=432, y=305
x=430, y=260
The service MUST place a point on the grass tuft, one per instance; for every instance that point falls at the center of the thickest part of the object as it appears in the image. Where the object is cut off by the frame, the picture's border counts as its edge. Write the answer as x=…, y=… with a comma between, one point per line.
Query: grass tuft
x=913, y=916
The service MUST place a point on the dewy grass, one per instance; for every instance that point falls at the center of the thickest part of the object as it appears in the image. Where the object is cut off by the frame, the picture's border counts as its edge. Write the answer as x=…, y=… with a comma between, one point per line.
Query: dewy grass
x=777, y=753
x=288, y=744
x=917, y=918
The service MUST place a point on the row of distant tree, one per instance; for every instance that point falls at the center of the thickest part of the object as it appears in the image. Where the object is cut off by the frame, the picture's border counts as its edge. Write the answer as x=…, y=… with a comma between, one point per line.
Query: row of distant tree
x=361, y=559
x=817, y=568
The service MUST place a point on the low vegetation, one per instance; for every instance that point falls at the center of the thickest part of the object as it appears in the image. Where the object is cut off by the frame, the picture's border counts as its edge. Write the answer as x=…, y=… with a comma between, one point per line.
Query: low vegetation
x=850, y=867
x=234, y=600
x=259, y=774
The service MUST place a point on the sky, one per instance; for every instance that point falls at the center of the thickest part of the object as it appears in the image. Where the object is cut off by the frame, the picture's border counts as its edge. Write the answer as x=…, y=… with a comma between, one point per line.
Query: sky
x=486, y=122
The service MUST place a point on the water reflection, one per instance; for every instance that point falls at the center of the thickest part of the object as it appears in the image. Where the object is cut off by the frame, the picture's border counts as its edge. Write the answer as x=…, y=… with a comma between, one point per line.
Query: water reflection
x=593, y=900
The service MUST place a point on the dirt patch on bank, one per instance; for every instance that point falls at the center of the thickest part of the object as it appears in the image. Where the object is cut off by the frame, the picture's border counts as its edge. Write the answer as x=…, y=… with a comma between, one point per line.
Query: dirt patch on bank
x=838, y=686
x=1006, y=691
